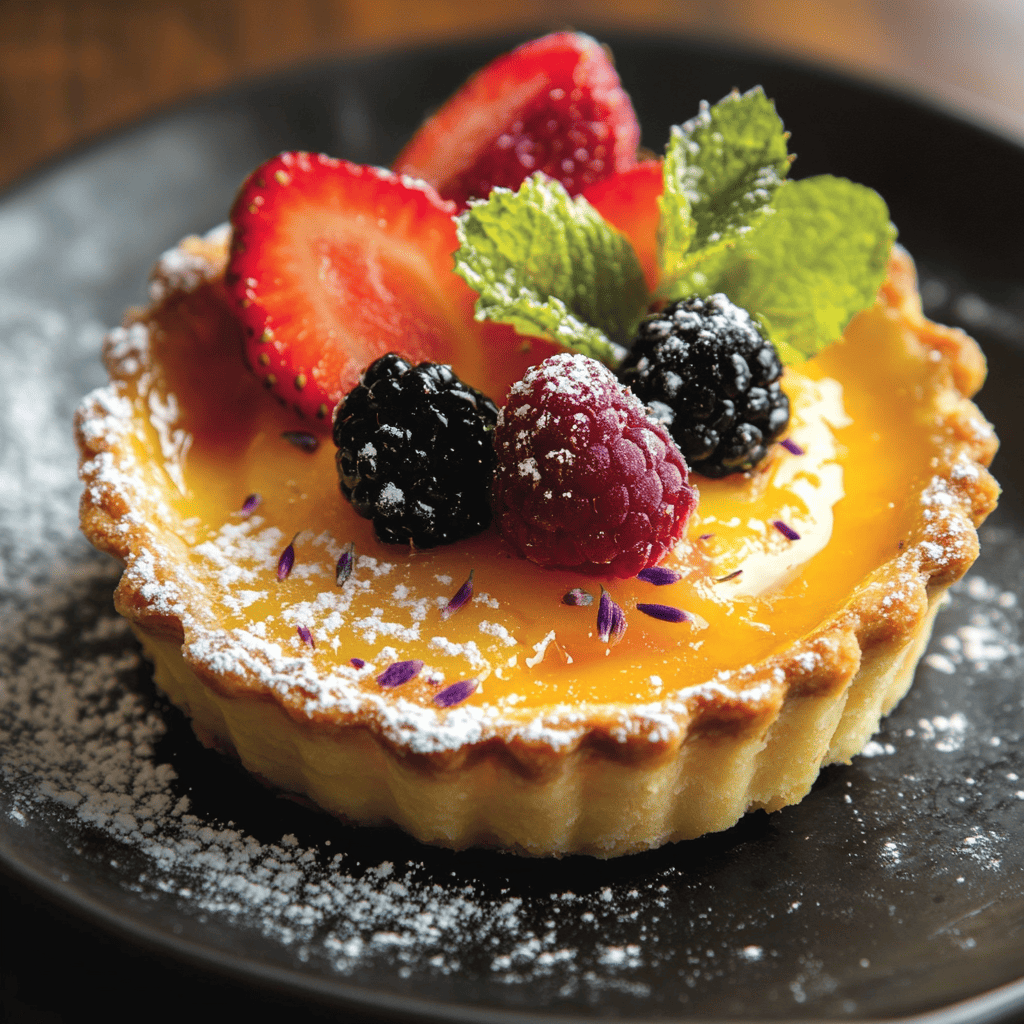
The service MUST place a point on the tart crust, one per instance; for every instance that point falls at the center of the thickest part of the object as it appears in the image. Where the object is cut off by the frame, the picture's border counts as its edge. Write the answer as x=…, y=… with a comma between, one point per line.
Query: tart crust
x=601, y=779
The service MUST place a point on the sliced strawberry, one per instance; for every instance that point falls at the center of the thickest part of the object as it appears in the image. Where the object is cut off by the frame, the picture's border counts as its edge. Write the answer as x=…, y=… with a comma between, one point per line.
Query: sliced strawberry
x=333, y=265
x=629, y=201
x=553, y=105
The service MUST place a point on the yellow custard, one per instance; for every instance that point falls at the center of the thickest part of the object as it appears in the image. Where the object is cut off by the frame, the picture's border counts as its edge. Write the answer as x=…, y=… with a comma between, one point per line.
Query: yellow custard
x=235, y=448
x=883, y=491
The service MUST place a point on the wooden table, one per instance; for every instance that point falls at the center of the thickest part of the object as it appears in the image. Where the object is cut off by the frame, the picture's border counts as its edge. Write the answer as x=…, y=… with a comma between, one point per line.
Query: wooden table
x=70, y=69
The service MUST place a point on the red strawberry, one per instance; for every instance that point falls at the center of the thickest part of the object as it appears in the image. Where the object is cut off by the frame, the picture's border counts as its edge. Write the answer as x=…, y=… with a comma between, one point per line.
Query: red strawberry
x=629, y=201
x=333, y=265
x=553, y=105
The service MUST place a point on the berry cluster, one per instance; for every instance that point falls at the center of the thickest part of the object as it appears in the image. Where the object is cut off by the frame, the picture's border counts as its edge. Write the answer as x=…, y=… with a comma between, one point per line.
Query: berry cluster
x=581, y=475
x=335, y=266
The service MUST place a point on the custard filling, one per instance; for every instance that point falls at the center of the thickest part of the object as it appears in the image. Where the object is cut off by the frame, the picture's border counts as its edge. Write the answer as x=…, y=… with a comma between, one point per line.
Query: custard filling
x=767, y=556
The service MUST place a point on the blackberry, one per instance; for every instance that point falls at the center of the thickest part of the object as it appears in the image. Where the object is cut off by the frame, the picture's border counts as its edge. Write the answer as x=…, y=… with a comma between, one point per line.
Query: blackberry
x=415, y=452
x=705, y=373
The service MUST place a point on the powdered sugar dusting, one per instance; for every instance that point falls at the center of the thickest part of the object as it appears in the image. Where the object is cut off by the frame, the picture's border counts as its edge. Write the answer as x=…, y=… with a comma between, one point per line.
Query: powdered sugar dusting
x=239, y=565
x=80, y=739
x=186, y=266
x=988, y=639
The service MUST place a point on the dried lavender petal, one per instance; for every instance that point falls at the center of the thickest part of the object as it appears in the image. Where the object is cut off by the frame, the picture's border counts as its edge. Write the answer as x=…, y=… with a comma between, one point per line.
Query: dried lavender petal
x=791, y=446
x=456, y=693
x=357, y=662
x=307, y=637
x=462, y=595
x=658, y=575
x=618, y=625
x=578, y=598
x=787, y=531
x=302, y=439
x=604, y=616
x=611, y=620
x=705, y=536
x=731, y=576
x=250, y=505
x=664, y=612
x=346, y=563
x=287, y=560
x=398, y=673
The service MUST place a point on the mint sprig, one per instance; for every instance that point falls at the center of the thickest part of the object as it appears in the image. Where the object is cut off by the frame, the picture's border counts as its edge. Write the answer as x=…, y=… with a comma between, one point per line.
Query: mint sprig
x=721, y=170
x=552, y=267
x=802, y=257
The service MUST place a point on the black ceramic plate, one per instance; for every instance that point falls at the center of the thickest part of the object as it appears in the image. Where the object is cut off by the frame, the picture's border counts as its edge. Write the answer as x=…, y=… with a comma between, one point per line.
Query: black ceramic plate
x=146, y=873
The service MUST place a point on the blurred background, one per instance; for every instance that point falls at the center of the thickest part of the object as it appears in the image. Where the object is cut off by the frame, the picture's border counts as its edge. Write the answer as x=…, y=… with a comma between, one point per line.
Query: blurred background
x=70, y=69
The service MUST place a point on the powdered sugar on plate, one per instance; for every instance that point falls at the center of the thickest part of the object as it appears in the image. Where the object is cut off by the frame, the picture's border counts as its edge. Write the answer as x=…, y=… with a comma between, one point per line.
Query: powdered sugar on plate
x=989, y=639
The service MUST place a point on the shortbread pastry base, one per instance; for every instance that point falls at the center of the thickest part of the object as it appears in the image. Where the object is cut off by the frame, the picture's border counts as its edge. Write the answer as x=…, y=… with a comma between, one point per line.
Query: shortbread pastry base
x=586, y=802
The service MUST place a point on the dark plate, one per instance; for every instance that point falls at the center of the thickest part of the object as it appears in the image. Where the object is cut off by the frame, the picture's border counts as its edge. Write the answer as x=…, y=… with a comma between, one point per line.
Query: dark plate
x=896, y=888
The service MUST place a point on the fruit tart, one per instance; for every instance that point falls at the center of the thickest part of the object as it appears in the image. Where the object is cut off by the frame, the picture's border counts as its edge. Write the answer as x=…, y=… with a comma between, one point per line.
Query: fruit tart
x=569, y=502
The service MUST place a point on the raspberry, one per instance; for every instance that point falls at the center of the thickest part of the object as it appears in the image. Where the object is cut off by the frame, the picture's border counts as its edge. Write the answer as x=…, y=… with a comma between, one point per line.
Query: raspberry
x=414, y=452
x=585, y=480
x=703, y=370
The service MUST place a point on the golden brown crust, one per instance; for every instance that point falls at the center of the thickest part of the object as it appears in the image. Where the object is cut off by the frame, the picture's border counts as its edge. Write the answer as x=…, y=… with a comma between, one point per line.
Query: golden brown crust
x=815, y=702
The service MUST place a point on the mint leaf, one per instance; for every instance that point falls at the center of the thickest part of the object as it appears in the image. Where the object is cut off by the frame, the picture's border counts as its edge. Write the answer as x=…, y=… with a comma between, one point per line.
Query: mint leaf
x=675, y=224
x=552, y=267
x=809, y=267
x=739, y=157
x=721, y=170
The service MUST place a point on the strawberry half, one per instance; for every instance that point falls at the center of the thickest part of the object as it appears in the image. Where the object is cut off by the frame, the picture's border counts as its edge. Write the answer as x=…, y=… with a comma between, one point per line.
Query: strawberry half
x=334, y=264
x=629, y=202
x=553, y=105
